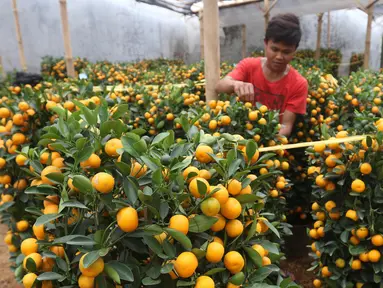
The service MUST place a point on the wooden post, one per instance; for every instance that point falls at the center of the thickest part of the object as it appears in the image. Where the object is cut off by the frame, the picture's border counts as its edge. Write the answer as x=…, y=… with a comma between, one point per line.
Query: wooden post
x=211, y=48
x=267, y=13
x=319, y=35
x=370, y=12
x=2, y=70
x=201, y=37
x=18, y=36
x=244, y=41
x=328, y=30
x=67, y=43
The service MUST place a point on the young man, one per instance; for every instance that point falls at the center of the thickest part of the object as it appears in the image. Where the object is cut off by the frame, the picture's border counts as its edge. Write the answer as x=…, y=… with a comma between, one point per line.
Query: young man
x=271, y=80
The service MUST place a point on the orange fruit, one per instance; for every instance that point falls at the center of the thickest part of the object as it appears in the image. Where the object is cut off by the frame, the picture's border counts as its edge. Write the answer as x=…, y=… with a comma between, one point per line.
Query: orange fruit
x=127, y=219
x=210, y=206
x=253, y=159
x=354, y=240
x=36, y=257
x=374, y=256
x=234, y=187
x=204, y=282
x=365, y=168
x=22, y=225
x=186, y=264
x=234, y=262
x=111, y=147
x=220, y=224
x=29, y=279
x=377, y=240
x=47, y=264
x=202, y=154
x=58, y=250
x=253, y=115
x=94, y=161
x=195, y=190
x=326, y=272
x=192, y=171
x=358, y=186
x=21, y=159
x=103, y=182
x=319, y=147
x=137, y=170
x=266, y=261
x=320, y=181
x=205, y=174
x=39, y=232
x=330, y=205
x=261, y=251
x=85, y=282
x=351, y=214
x=179, y=223
x=29, y=246
x=222, y=195
x=18, y=138
x=356, y=264
x=214, y=252
x=330, y=161
x=46, y=171
x=362, y=233
x=51, y=200
x=317, y=283
x=364, y=257
x=340, y=263
x=93, y=270
x=231, y=209
x=234, y=228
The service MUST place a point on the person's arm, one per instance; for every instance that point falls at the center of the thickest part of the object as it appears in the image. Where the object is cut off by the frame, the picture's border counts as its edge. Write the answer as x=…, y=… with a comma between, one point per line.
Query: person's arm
x=242, y=89
x=288, y=121
x=236, y=81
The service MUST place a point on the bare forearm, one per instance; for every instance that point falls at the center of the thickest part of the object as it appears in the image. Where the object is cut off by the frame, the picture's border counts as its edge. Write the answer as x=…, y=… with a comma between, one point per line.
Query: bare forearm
x=225, y=85
x=286, y=130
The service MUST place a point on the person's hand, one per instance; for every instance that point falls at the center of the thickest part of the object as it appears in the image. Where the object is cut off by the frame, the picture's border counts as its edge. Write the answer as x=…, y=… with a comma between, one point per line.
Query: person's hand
x=244, y=90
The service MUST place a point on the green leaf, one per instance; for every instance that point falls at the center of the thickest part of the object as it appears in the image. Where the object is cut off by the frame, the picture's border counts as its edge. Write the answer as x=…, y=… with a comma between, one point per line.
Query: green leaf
x=214, y=271
x=121, y=110
x=72, y=203
x=80, y=240
x=164, y=210
x=140, y=146
x=270, y=246
x=272, y=228
x=56, y=177
x=90, y=115
x=182, y=165
x=50, y=276
x=247, y=198
x=157, y=177
x=262, y=273
x=180, y=237
x=90, y=258
x=182, y=283
x=150, y=163
x=112, y=273
x=201, y=223
x=123, y=270
x=155, y=229
x=202, y=188
x=40, y=190
x=43, y=219
x=251, y=148
x=199, y=253
x=160, y=137
x=130, y=189
x=123, y=168
x=169, y=249
x=82, y=183
x=6, y=205
x=31, y=265
x=32, y=210
x=147, y=281
x=234, y=167
x=153, y=244
x=254, y=256
x=167, y=268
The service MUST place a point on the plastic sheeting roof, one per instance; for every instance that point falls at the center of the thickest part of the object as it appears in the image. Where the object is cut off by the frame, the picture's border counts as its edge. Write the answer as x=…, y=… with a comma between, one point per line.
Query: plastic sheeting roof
x=301, y=7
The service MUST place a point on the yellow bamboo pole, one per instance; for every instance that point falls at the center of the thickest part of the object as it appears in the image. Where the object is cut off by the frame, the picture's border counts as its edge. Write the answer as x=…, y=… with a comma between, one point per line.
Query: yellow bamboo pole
x=310, y=144
x=319, y=36
x=328, y=30
x=67, y=42
x=211, y=47
x=18, y=36
x=2, y=71
x=370, y=11
x=244, y=41
x=201, y=37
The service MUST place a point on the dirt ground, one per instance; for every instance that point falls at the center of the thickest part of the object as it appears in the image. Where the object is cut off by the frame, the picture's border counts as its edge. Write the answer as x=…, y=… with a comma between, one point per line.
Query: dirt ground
x=7, y=279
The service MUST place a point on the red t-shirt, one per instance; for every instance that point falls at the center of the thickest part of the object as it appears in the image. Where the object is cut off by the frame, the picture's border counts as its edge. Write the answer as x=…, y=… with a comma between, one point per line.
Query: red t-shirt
x=289, y=93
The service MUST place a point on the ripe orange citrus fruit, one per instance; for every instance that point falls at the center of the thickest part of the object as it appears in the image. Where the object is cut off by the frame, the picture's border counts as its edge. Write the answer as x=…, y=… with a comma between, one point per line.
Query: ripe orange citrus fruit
x=93, y=270
x=202, y=155
x=219, y=225
x=234, y=262
x=210, y=206
x=204, y=282
x=29, y=246
x=111, y=147
x=214, y=252
x=179, y=223
x=103, y=182
x=46, y=171
x=186, y=264
x=195, y=190
x=358, y=186
x=127, y=219
x=234, y=228
x=231, y=209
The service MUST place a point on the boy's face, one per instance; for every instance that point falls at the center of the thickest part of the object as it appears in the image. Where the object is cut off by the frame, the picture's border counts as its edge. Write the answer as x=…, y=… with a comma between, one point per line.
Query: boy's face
x=278, y=55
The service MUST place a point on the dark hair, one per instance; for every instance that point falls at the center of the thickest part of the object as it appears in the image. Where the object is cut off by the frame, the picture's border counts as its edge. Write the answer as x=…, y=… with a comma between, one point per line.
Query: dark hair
x=284, y=28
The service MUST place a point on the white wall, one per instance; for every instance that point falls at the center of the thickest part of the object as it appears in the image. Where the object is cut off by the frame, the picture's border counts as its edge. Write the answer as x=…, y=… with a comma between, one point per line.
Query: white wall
x=116, y=30
x=126, y=30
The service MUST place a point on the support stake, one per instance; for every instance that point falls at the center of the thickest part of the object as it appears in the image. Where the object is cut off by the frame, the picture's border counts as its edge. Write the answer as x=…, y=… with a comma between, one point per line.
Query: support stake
x=18, y=36
x=211, y=48
x=370, y=11
x=319, y=36
x=67, y=42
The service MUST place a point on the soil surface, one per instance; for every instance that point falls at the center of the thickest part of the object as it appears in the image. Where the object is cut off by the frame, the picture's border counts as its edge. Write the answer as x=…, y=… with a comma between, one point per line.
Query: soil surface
x=7, y=278
x=296, y=269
